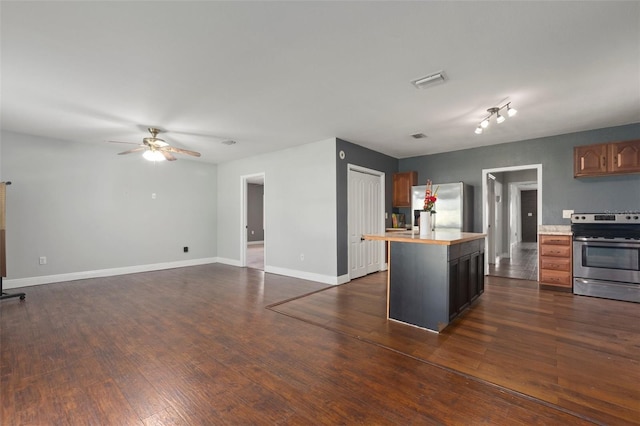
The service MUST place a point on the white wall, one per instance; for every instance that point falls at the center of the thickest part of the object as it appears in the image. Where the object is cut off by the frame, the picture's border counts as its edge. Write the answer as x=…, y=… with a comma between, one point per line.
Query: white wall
x=300, y=210
x=90, y=211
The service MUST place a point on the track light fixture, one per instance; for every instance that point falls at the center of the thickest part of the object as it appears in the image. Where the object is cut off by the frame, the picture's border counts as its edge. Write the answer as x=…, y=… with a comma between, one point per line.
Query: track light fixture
x=499, y=118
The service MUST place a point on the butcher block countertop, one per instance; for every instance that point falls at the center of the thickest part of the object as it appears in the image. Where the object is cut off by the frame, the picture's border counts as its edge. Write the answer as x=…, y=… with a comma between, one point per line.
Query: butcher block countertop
x=555, y=229
x=445, y=238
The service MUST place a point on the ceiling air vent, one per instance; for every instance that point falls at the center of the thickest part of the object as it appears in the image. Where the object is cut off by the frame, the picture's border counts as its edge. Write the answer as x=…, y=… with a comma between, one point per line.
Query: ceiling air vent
x=429, y=80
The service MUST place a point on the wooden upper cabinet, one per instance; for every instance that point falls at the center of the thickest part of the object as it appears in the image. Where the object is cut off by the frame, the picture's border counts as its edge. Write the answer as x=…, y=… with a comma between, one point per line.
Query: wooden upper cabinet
x=624, y=157
x=606, y=159
x=402, y=183
x=590, y=160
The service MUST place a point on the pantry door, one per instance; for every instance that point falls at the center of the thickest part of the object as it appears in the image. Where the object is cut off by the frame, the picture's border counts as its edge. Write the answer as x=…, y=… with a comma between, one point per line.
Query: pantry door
x=366, y=216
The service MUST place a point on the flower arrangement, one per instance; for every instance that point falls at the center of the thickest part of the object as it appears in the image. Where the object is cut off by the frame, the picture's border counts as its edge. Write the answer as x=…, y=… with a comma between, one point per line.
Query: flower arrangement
x=430, y=197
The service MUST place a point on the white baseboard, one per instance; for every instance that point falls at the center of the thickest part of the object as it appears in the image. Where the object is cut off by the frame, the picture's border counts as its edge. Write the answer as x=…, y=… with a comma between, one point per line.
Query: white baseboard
x=326, y=279
x=72, y=276
x=232, y=262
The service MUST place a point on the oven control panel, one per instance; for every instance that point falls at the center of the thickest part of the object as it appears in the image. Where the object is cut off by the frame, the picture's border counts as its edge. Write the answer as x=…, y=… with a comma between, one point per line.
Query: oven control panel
x=624, y=217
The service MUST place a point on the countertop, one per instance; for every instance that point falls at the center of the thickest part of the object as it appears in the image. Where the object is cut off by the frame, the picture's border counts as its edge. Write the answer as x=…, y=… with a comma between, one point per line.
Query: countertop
x=446, y=238
x=555, y=229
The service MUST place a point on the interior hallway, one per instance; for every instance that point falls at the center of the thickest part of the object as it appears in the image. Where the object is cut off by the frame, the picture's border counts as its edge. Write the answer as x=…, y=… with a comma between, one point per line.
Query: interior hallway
x=523, y=263
x=255, y=256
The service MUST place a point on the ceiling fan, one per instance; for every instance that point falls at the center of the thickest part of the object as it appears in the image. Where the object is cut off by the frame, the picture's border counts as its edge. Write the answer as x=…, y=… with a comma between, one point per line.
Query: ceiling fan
x=156, y=149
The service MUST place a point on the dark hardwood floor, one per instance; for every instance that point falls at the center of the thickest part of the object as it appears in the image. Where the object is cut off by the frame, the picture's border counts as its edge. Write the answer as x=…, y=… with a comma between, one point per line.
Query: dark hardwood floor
x=198, y=345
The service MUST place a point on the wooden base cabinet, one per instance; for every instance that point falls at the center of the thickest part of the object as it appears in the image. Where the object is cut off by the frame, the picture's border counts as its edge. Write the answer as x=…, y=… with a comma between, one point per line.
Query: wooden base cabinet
x=555, y=261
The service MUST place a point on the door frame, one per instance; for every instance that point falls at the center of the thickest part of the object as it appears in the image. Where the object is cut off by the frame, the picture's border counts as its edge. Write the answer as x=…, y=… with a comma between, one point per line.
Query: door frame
x=381, y=177
x=485, y=201
x=245, y=180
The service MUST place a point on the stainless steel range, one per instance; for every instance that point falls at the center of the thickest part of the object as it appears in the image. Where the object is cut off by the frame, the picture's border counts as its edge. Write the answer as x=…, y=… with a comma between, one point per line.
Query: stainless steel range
x=606, y=255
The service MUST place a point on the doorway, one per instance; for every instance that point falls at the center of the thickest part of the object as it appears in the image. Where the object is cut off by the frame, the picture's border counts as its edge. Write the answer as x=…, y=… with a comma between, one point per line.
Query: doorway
x=511, y=220
x=253, y=221
x=529, y=215
x=365, y=216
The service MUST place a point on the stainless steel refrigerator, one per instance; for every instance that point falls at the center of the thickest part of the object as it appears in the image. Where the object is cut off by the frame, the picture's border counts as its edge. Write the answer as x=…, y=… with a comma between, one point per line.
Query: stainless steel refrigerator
x=454, y=207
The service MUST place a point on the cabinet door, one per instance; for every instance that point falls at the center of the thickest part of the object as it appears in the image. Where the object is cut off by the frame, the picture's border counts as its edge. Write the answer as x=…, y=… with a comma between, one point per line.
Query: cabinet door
x=473, y=277
x=480, y=271
x=402, y=183
x=624, y=157
x=454, y=280
x=463, y=283
x=590, y=160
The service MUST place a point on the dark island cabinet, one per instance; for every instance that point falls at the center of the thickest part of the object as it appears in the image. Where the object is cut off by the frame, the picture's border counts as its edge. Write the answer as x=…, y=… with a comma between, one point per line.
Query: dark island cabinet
x=432, y=284
x=466, y=277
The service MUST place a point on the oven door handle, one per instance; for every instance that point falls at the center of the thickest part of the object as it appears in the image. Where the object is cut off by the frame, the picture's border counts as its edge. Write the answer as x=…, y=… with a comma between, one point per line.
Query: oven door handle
x=618, y=244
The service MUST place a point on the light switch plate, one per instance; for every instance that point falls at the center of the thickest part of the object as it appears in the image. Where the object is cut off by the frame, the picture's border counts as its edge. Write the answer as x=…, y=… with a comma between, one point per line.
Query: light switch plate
x=566, y=214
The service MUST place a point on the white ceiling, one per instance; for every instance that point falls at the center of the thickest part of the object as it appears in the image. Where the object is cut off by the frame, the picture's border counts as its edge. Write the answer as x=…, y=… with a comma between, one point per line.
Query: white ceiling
x=272, y=75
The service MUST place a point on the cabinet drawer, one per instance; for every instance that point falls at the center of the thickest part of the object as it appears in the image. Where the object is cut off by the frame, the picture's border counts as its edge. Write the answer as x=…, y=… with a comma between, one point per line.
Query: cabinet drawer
x=555, y=263
x=555, y=251
x=559, y=278
x=560, y=240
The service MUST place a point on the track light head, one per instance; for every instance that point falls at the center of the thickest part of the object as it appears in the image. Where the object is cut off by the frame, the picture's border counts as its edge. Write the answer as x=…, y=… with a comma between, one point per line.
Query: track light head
x=499, y=118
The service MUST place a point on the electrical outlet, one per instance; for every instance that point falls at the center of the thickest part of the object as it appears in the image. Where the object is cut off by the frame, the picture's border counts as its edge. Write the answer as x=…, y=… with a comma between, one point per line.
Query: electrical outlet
x=566, y=214
x=153, y=195
x=43, y=260
x=302, y=257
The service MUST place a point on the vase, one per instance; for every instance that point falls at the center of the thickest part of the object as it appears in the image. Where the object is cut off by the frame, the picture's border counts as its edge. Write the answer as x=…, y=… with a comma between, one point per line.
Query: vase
x=426, y=226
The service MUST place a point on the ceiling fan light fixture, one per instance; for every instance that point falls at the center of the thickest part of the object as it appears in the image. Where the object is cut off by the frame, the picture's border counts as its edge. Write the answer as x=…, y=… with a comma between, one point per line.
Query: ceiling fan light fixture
x=484, y=123
x=479, y=130
x=153, y=155
x=500, y=118
x=511, y=111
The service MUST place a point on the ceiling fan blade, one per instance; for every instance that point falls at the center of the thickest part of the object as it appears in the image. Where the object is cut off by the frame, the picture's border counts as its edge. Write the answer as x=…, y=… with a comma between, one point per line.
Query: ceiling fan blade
x=128, y=143
x=168, y=155
x=140, y=148
x=180, y=151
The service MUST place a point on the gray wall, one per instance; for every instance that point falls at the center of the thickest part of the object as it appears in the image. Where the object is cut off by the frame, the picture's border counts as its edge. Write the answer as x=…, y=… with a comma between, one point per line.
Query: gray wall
x=87, y=209
x=559, y=189
x=364, y=157
x=255, y=210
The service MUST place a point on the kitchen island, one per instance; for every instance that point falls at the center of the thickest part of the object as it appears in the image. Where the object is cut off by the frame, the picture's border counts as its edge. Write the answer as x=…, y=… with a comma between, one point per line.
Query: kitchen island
x=431, y=280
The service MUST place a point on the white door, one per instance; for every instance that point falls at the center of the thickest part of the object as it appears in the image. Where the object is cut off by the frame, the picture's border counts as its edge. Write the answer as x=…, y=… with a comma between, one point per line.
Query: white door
x=365, y=217
x=497, y=229
x=491, y=213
